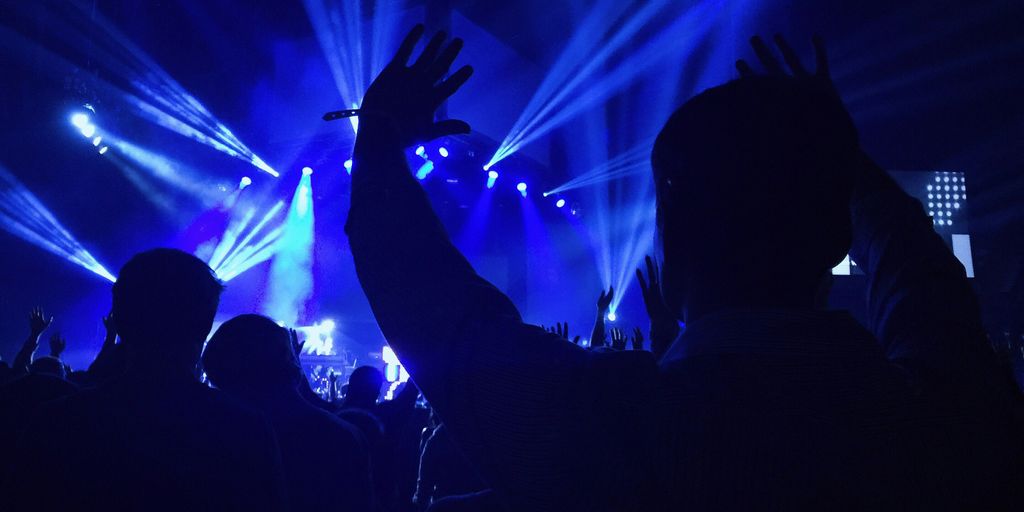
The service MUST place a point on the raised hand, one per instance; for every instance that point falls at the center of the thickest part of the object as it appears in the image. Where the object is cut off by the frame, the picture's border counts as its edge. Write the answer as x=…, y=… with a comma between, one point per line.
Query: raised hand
x=297, y=345
x=407, y=96
x=604, y=301
x=37, y=321
x=57, y=345
x=111, y=328
x=618, y=339
x=637, y=340
x=664, y=325
x=796, y=68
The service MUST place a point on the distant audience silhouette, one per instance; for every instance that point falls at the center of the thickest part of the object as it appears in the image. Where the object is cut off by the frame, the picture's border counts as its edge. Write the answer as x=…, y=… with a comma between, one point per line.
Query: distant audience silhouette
x=155, y=437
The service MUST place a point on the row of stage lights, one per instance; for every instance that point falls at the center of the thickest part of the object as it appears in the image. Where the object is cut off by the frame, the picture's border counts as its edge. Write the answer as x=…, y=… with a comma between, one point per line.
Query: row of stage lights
x=492, y=175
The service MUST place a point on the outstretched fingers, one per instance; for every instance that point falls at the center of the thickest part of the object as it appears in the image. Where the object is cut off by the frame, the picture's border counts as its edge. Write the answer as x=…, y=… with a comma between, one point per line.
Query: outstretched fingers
x=408, y=44
x=443, y=63
x=429, y=55
x=765, y=55
x=790, y=56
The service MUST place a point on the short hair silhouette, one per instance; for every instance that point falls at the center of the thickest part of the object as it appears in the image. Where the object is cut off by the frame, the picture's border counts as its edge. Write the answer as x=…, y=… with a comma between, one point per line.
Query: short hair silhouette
x=364, y=386
x=251, y=355
x=746, y=176
x=48, y=365
x=164, y=301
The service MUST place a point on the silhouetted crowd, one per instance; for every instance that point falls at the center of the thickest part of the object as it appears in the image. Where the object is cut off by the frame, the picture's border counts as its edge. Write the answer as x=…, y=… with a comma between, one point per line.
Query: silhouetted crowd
x=765, y=400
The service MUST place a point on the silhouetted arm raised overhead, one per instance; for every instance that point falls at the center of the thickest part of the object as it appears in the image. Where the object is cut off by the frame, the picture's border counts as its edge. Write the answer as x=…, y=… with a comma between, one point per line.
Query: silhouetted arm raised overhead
x=920, y=303
x=503, y=388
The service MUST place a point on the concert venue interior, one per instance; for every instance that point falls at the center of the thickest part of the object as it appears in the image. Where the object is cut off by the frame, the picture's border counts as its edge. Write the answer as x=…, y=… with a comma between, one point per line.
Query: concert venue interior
x=199, y=125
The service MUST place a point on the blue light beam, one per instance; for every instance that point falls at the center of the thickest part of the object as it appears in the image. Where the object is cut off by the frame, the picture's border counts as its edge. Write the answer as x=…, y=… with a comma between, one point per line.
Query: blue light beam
x=24, y=215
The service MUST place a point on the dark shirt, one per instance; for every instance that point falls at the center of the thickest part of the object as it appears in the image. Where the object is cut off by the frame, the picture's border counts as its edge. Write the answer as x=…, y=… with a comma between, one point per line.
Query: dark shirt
x=130, y=445
x=750, y=410
x=326, y=462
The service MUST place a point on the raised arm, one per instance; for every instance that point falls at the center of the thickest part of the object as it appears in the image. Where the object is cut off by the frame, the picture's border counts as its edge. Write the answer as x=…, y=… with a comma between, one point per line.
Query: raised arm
x=503, y=388
x=920, y=304
x=37, y=323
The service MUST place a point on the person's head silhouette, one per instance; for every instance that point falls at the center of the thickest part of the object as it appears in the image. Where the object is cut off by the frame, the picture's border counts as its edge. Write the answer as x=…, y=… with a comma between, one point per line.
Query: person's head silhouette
x=164, y=302
x=364, y=387
x=250, y=356
x=751, y=206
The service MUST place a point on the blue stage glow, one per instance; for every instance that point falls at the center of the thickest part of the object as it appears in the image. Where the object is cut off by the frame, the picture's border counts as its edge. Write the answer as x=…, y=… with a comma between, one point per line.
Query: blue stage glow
x=23, y=215
x=443, y=151
x=560, y=203
x=306, y=171
x=290, y=282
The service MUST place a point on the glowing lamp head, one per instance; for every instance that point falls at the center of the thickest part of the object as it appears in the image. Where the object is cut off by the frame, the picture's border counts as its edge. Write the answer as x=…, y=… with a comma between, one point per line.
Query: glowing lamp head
x=521, y=187
x=306, y=171
x=560, y=203
x=327, y=325
x=492, y=175
x=348, y=166
x=103, y=149
x=79, y=120
x=88, y=130
x=612, y=316
x=443, y=151
x=244, y=182
x=420, y=151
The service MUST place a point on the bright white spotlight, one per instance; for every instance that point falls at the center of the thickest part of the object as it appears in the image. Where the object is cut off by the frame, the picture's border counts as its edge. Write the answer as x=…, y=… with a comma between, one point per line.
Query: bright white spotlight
x=421, y=151
x=443, y=151
x=348, y=166
x=487, y=167
x=245, y=182
x=306, y=171
x=521, y=187
x=88, y=130
x=612, y=316
x=492, y=177
x=424, y=170
x=103, y=149
x=327, y=325
x=96, y=141
x=79, y=120
x=560, y=203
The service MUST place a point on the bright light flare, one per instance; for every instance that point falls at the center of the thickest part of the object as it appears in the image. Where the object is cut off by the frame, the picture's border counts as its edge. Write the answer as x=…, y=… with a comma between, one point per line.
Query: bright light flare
x=290, y=281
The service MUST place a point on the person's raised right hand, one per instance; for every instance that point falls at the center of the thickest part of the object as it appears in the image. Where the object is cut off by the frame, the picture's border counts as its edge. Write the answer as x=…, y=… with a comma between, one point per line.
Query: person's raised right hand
x=407, y=96
x=37, y=321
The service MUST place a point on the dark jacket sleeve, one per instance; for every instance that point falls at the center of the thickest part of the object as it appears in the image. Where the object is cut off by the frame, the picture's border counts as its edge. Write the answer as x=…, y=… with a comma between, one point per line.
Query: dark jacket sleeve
x=922, y=308
x=519, y=401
